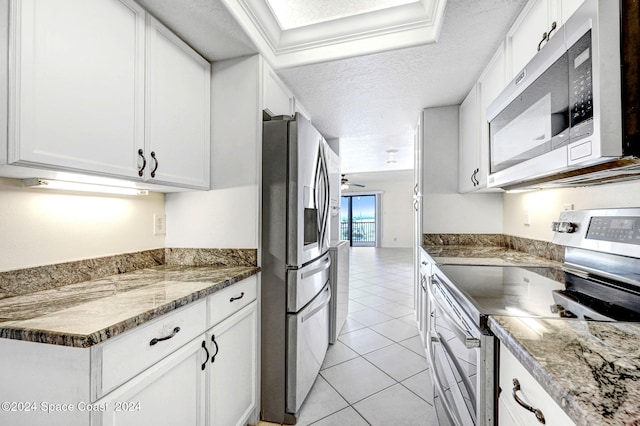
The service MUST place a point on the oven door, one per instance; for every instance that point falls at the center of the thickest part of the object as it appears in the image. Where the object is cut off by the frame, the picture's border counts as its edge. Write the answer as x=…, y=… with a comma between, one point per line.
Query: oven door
x=456, y=358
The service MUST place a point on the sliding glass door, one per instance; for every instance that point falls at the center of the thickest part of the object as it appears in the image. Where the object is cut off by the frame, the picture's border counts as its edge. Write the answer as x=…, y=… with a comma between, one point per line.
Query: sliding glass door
x=358, y=220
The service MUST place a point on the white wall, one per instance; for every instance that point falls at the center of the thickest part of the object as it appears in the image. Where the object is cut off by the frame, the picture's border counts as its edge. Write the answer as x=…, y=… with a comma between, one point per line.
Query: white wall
x=226, y=216
x=444, y=209
x=41, y=227
x=545, y=205
x=396, y=205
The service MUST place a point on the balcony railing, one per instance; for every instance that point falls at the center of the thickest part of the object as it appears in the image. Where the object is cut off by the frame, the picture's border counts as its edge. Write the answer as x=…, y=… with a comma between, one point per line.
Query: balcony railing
x=363, y=231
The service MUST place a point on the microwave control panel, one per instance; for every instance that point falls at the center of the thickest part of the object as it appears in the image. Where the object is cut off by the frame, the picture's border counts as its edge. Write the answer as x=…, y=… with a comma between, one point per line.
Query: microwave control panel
x=581, y=87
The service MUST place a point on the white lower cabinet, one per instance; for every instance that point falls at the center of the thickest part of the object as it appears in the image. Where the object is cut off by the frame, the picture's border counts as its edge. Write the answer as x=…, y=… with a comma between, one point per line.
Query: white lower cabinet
x=209, y=381
x=516, y=380
x=172, y=392
x=197, y=365
x=232, y=373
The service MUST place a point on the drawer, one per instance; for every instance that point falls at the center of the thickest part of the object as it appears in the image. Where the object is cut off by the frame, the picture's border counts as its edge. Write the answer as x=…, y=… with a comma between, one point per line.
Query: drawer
x=531, y=393
x=121, y=358
x=226, y=302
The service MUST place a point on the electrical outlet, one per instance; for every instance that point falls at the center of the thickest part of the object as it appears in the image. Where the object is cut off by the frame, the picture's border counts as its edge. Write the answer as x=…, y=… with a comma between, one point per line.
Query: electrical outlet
x=567, y=207
x=159, y=224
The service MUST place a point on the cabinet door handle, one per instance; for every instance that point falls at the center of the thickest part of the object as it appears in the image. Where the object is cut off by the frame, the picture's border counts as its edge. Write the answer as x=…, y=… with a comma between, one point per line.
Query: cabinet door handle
x=160, y=339
x=553, y=28
x=153, y=172
x=545, y=37
x=204, y=346
x=536, y=411
x=213, y=357
x=144, y=162
x=237, y=297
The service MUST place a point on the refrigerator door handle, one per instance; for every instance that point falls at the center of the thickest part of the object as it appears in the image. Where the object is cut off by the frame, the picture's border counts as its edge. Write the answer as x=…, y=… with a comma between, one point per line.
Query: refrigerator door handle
x=326, y=196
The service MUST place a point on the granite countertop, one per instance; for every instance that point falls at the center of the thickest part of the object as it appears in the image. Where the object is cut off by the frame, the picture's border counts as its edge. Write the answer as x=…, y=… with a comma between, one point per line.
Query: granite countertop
x=591, y=369
x=87, y=313
x=484, y=255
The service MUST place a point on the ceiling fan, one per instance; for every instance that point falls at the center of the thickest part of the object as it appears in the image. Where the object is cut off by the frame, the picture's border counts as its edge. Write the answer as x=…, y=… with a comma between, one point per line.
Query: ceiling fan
x=344, y=183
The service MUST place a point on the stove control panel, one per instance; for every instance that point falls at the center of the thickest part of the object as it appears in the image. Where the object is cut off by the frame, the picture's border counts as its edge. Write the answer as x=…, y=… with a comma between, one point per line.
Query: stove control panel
x=612, y=231
x=617, y=229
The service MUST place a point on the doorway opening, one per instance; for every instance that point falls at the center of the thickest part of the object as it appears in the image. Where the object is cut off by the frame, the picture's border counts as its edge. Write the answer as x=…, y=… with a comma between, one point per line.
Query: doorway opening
x=359, y=220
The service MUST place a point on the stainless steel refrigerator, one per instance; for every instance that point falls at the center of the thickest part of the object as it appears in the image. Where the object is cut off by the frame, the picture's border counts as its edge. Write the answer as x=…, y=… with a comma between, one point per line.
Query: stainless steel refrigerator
x=295, y=265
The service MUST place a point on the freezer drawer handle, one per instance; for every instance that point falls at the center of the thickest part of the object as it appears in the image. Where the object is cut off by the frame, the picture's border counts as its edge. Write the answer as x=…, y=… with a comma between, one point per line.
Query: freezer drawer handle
x=317, y=270
x=160, y=339
x=321, y=306
x=213, y=357
x=237, y=297
x=204, y=346
x=536, y=411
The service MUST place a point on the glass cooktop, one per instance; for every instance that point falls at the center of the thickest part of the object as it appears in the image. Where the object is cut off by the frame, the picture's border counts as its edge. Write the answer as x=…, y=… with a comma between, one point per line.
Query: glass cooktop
x=506, y=290
x=541, y=292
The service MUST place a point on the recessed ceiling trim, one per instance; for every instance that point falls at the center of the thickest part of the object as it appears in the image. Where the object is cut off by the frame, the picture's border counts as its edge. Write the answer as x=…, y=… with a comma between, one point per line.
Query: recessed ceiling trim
x=381, y=22
x=392, y=28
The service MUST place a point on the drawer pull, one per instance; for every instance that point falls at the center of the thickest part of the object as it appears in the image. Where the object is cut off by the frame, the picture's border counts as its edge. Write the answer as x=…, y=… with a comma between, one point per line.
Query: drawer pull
x=160, y=339
x=237, y=297
x=213, y=357
x=536, y=411
x=204, y=346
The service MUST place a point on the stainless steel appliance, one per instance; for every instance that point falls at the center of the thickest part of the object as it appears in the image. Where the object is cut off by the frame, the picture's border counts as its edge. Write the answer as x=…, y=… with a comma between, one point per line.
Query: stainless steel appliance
x=295, y=290
x=571, y=117
x=599, y=280
x=339, y=252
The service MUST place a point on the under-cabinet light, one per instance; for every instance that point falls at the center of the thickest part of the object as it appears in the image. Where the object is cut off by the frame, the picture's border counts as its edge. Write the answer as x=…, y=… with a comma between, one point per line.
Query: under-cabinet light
x=83, y=187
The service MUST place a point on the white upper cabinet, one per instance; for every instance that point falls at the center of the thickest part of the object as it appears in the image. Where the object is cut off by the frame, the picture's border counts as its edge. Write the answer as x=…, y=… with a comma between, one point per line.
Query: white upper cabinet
x=277, y=99
x=469, y=165
x=528, y=33
x=177, y=111
x=77, y=85
x=101, y=88
x=539, y=21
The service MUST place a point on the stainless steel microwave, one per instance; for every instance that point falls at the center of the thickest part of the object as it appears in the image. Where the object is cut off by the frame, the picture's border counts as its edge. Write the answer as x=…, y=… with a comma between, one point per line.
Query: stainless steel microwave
x=571, y=116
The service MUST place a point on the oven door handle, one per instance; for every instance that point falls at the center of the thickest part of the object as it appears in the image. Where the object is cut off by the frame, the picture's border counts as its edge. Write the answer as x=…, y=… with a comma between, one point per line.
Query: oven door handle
x=436, y=379
x=465, y=336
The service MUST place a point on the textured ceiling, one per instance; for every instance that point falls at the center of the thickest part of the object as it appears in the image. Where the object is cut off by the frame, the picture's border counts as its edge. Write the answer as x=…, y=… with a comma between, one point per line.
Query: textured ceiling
x=205, y=24
x=372, y=102
x=380, y=96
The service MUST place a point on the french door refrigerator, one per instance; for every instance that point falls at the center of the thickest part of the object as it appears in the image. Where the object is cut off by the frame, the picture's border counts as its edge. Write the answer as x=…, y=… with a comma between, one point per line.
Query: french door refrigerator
x=295, y=264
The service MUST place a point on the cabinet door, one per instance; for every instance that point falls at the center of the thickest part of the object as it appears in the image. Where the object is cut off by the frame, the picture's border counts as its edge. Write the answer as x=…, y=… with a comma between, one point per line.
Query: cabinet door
x=177, y=111
x=277, y=100
x=525, y=35
x=530, y=392
x=567, y=8
x=171, y=392
x=76, y=85
x=491, y=83
x=468, y=144
x=233, y=369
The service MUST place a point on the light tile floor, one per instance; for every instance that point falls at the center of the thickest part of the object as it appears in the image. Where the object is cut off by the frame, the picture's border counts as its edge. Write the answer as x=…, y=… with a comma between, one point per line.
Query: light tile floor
x=377, y=372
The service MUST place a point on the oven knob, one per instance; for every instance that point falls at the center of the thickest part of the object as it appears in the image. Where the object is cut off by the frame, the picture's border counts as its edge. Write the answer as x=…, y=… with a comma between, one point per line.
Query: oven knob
x=564, y=227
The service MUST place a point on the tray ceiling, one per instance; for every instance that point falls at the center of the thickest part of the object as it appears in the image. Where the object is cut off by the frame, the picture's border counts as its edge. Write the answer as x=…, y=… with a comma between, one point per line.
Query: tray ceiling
x=292, y=34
